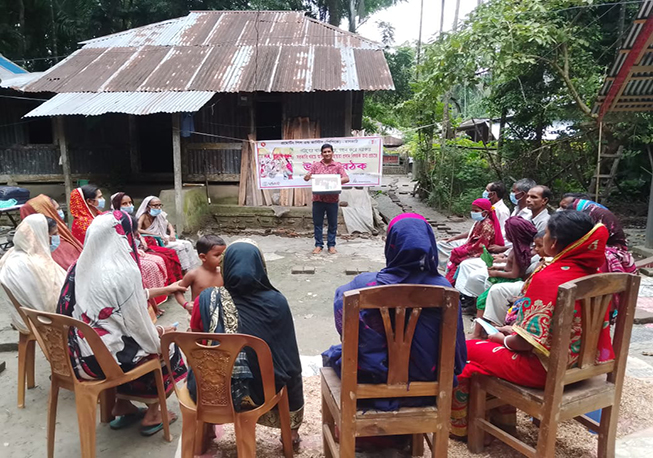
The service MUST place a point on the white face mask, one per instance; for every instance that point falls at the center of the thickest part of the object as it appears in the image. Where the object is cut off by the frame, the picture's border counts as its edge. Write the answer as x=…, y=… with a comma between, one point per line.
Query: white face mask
x=477, y=216
x=61, y=214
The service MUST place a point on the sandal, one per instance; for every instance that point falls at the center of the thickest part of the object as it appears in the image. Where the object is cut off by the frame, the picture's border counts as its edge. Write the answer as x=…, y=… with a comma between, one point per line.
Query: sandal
x=151, y=430
x=123, y=421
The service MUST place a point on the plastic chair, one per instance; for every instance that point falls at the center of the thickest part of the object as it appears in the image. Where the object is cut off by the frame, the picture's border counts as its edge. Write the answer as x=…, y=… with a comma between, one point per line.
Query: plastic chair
x=26, y=353
x=52, y=332
x=568, y=393
x=213, y=366
x=340, y=395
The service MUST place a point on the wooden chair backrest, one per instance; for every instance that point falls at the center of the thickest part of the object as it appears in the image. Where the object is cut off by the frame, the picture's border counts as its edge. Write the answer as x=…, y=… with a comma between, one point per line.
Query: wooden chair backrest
x=212, y=357
x=595, y=293
x=16, y=304
x=52, y=330
x=399, y=330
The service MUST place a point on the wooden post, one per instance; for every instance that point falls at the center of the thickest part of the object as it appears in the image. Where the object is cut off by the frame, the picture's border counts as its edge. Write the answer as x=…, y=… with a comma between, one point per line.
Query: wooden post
x=176, y=160
x=598, y=163
x=65, y=161
x=649, y=220
x=134, y=149
x=348, y=112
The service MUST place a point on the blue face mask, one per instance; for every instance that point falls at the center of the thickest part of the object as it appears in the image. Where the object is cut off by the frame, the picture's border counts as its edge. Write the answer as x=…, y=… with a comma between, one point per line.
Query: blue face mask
x=155, y=212
x=477, y=216
x=486, y=195
x=55, y=240
x=100, y=203
x=129, y=209
x=61, y=214
x=513, y=198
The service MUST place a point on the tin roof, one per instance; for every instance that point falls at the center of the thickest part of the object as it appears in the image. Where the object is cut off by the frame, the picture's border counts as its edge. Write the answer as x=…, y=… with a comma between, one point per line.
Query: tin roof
x=629, y=85
x=19, y=81
x=224, y=51
x=9, y=69
x=137, y=103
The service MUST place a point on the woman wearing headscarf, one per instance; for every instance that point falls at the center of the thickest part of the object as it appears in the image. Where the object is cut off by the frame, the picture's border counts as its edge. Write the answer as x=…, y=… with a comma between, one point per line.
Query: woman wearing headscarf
x=105, y=290
x=520, y=353
x=69, y=248
x=122, y=201
x=29, y=271
x=85, y=204
x=411, y=258
x=153, y=222
x=520, y=233
x=617, y=256
x=253, y=306
x=485, y=232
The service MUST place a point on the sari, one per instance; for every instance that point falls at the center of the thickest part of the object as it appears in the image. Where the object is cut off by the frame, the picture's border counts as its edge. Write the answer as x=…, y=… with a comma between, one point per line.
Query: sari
x=533, y=323
x=185, y=251
x=29, y=271
x=617, y=256
x=82, y=214
x=411, y=258
x=261, y=311
x=484, y=234
x=69, y=248
x=105, y=290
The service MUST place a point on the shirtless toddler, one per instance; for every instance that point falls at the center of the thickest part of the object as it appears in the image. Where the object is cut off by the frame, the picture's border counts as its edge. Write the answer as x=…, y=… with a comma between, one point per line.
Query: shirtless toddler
x=210, y=249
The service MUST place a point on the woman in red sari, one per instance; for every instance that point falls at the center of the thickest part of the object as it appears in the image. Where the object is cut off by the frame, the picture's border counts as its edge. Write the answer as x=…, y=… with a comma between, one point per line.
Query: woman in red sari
x=485, y=232
x=69, y=248
x=519, y=353
x=85, y=204
x=122, y=201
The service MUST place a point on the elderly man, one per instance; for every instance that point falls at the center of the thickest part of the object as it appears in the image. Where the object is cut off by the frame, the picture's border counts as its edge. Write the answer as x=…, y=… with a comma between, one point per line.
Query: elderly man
x=518, y=196
x=537, y=199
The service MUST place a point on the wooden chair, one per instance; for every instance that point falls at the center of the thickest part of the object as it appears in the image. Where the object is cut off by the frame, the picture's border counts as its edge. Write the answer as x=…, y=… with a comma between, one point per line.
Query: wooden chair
x=569, y=393
x=213, y=366
x=340, y=396
x=26, y=353
x=51, y=331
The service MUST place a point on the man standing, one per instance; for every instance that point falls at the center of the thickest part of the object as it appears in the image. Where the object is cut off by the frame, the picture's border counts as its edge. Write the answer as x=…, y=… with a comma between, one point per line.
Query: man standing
x=537, y=200
x=326, y=203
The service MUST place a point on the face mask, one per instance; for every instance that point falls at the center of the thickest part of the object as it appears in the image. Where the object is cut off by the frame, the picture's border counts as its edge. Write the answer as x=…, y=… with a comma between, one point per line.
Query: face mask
x=155, y=212
x=54, y=242
x=61, y=214
x=513, y=198
x=100, y=203
x=477, y=216
x=129, y=209
x=559, y=209
x=486, y=195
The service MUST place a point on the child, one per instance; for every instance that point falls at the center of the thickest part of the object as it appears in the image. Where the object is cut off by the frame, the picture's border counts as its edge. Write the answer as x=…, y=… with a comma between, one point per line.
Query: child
x=209, y=248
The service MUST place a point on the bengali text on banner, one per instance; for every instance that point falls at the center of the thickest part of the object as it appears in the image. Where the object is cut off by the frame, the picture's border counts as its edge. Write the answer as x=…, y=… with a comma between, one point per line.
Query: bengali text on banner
x=283, y=163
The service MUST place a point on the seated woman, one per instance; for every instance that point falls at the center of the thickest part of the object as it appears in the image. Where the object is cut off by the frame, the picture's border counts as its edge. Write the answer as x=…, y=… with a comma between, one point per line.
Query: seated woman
x=105, y=289
x=486, y=233
x=122, y=201
x=520, y=233
x=85, y=204
x=519, y=353
x=153, y=222
x=69, y=248
x=411, y=257
x=253, y=306
x=29, y=271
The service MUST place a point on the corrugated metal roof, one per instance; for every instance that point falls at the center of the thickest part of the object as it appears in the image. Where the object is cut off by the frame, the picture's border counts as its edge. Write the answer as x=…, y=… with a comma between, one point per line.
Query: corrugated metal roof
x=18, y=82
x=637, y=93
x=8, y=68
x=224, y=51
x=137, y=103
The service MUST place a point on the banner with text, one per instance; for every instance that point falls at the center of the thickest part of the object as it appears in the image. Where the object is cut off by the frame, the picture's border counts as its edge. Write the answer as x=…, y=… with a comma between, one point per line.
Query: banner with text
x=283, y=163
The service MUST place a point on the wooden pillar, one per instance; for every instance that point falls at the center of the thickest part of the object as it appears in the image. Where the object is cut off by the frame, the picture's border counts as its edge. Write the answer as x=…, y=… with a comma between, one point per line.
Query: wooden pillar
x=176, y=160
x=134, y=147
x=348, y=112
x=649, y=220
x=65, y=161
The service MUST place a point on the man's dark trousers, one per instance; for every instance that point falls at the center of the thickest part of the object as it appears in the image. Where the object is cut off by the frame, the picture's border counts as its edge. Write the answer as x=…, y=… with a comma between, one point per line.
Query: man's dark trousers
x=331, y=210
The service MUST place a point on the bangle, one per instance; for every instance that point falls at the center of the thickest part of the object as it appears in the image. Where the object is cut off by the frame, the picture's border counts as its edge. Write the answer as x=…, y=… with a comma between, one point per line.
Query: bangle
x=505, y=343
x=161, y=328
x=185, y=306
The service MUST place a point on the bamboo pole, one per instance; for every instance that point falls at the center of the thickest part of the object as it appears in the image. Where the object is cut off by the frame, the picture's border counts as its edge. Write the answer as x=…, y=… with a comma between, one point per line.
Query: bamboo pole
x=598, y=162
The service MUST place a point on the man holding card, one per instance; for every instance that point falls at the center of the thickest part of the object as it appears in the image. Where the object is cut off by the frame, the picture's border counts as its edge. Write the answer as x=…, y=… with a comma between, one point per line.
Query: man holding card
x=326, y=202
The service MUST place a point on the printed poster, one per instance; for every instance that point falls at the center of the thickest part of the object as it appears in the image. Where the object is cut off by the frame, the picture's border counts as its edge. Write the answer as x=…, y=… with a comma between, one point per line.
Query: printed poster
x=283, y=163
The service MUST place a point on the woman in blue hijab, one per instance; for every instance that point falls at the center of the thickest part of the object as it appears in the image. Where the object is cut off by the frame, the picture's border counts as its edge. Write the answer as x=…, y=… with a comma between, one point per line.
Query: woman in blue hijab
x=411, y=258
